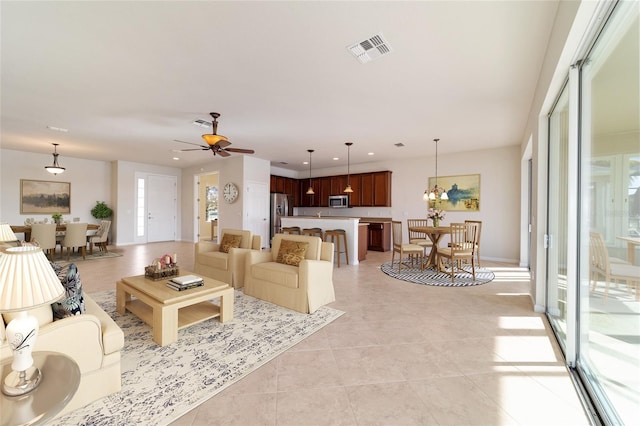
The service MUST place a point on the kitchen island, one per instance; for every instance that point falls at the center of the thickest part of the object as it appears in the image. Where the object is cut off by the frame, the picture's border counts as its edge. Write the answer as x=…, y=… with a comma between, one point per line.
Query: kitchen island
x=349, y=224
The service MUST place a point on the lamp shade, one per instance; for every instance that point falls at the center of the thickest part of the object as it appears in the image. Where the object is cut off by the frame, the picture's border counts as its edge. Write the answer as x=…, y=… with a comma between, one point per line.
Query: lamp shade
x=6, y=233
x=213, y=139
x=27, y=279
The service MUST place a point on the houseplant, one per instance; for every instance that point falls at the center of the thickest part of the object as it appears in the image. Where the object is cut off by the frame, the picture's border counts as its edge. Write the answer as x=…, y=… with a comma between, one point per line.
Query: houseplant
x=57, y=218
x=101, y=210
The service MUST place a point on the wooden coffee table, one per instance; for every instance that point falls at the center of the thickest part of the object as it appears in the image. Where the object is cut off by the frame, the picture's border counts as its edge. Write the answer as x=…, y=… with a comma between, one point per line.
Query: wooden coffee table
x=167, y=310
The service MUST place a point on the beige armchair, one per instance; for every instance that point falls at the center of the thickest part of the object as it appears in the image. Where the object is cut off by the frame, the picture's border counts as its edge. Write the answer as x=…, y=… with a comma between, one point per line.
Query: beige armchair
x=303, y=288
x=226, y=267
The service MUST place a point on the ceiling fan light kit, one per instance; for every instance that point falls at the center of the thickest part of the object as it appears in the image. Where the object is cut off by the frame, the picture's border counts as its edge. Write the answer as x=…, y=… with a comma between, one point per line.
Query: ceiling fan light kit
x=216, y=143
x=55, y=168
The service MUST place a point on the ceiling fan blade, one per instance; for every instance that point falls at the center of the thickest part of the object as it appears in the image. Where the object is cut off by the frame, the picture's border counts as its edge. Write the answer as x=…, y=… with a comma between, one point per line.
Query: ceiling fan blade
x=223, y=143
x=194, y=149
x=223, y=153
x=240, y=150
x=191, y=143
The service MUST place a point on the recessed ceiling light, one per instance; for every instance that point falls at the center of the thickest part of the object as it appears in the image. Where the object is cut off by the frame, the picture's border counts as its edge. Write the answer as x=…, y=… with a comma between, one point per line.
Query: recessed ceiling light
x=176, y=158
x=335, y=158
x=305, y=162
x=370, y=153
x=57, y=129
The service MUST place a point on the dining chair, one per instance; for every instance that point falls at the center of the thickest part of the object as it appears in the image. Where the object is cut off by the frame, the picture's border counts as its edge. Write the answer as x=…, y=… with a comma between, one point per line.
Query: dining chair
x=75, y=236
x=100, y=238
x=478, y=232
x=412, y=250
x=416, y=237
x=45, y=235
x=462, y=247
x=612, y=269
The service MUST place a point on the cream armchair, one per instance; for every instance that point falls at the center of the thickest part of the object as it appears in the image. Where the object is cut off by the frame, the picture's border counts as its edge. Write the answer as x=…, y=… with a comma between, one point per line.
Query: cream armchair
x=226, y=267
x=303, y=288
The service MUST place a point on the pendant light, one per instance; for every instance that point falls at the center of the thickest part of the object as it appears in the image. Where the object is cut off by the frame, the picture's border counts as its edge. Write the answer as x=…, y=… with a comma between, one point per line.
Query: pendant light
x=348, y=188
x=310, y=190
x=435, y=193
x=55, y=169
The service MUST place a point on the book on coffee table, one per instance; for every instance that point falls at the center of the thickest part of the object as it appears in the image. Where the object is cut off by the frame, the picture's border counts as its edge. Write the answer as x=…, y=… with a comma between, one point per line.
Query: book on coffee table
x=186, y=279
x=181, y=287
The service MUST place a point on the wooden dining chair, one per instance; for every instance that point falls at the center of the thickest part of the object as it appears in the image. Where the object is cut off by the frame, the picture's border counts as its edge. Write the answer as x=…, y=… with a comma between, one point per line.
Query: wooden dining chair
x=461, y=248
x=45, y=235
x=416, y=237
x=478, y=232
x=75, y=236
x=414, y=251
x=611, y=270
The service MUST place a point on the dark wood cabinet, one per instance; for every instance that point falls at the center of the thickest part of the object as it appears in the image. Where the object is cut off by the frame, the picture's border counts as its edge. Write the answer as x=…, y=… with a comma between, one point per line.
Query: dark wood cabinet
x=363, y=241
x=379, y=236
x=369, y=189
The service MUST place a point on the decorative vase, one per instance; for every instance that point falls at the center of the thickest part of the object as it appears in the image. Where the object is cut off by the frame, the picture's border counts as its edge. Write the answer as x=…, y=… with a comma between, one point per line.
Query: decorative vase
x=436, y=222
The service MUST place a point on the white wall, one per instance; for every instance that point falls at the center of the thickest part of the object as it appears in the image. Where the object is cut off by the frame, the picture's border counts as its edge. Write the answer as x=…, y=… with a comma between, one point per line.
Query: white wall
x=90, y=182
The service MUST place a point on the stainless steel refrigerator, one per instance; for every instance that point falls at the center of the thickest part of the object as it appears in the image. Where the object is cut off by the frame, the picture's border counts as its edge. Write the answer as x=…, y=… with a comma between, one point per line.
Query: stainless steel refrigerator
x=281, y=205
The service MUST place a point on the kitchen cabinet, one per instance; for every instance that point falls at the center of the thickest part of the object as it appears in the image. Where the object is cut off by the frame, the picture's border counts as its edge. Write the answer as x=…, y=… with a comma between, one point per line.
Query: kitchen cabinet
x=363, y=241
x=379, y=236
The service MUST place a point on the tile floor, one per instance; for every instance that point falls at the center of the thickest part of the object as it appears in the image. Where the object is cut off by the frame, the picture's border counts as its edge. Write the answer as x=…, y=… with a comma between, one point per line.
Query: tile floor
x=403, y=354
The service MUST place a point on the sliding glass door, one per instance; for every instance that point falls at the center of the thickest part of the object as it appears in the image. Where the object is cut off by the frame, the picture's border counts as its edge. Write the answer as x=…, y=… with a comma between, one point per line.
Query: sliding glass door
x=593, y=259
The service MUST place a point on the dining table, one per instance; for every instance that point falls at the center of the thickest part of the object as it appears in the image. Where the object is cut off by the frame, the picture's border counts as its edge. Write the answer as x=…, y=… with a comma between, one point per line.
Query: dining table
x=632, y=244
x=26, y=229
x=435, y=234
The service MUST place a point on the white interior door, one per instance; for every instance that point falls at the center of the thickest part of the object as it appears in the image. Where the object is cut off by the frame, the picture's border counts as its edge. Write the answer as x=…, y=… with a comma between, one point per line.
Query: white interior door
x=161, y=208
x=257, y=210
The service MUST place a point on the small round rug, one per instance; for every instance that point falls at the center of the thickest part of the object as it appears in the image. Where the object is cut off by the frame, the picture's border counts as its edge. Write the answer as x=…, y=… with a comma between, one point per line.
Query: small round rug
x=431, y=276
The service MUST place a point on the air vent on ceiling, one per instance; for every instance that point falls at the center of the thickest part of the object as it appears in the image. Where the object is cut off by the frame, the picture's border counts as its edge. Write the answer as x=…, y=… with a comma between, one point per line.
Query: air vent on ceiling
x=202, y=123
x=370, y=49
x=399, y=144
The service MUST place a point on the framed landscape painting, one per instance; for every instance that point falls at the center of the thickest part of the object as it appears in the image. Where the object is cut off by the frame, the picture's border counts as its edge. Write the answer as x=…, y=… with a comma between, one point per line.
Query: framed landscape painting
x=463, y=192
x=44, y=197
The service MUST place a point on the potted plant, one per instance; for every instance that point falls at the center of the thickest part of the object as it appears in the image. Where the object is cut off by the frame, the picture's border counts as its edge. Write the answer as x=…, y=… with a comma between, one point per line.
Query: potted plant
x=101, y=210
x=57, y=218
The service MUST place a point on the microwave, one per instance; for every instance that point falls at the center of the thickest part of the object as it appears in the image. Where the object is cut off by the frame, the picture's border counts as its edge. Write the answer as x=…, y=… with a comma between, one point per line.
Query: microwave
x=338, y=201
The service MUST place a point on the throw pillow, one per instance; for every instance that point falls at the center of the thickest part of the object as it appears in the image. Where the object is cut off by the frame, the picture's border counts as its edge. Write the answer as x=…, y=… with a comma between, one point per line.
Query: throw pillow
x=230, y=241
x=292, y=252
x=73, y=301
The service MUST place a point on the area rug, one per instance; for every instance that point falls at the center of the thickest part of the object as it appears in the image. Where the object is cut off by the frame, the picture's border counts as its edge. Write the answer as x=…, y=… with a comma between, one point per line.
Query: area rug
x=160, y=384
x=76, y=257
x=430, y=276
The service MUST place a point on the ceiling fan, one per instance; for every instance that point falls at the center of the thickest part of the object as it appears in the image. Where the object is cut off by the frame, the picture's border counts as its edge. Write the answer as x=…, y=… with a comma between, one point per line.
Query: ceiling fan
x=216, y=143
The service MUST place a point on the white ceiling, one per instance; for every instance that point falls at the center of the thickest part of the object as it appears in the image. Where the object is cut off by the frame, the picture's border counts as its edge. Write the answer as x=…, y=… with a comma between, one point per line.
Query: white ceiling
x=127, y=78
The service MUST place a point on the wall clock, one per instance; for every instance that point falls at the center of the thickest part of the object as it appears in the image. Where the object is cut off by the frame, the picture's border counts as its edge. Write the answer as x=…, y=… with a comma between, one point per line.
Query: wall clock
x=230, y=192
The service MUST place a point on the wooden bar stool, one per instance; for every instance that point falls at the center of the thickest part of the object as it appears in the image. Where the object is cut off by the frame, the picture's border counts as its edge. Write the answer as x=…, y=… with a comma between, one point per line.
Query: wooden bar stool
x=291, y=230
x=314, y=232
x=338, y=236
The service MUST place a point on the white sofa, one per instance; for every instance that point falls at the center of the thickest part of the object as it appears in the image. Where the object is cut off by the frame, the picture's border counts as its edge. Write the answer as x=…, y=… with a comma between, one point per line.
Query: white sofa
x=226, y=267
x=93, y=340
x=303, y=288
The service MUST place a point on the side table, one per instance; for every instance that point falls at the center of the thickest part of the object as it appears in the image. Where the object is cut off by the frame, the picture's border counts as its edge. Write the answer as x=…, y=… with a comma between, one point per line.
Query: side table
x=60, y=380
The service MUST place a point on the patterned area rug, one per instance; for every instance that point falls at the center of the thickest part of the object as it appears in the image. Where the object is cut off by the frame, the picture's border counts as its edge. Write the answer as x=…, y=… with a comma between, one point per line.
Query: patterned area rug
x=431, y=276
x=77, y=257
x=160, y=384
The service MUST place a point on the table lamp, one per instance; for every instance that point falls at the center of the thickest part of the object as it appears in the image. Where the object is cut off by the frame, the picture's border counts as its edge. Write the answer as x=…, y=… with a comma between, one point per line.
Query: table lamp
x=6, y=235
x=27, y=281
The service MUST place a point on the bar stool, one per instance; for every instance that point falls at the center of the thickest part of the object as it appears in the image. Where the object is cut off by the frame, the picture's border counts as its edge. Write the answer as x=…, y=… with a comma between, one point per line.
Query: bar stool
x=291, y=230
x=338, y=236
x=314, y=232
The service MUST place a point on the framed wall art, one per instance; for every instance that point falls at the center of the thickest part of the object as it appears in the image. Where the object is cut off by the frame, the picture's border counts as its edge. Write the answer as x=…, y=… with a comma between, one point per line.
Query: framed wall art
x=44, y=197
x=463, y=192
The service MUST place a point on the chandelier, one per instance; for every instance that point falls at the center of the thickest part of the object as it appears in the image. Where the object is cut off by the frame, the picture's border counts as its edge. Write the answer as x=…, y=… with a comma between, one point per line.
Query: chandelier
x=55, y=169
x=435, y=193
